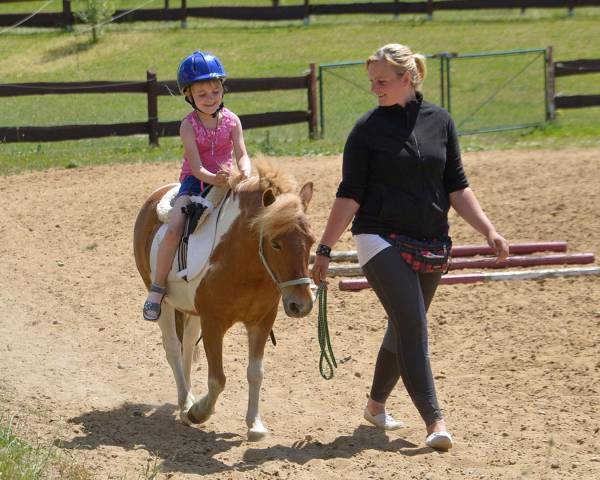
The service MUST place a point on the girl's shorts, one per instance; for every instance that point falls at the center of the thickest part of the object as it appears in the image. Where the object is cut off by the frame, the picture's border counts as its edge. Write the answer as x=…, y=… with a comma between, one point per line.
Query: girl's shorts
x=190, y=186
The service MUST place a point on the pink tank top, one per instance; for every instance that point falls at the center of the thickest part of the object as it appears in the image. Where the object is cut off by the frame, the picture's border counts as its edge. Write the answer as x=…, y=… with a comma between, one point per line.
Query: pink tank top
x=214, y=146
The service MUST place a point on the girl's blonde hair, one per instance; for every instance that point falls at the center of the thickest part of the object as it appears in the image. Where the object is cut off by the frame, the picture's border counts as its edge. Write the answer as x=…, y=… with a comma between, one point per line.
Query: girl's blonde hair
x=187, y=91
x=402, y=60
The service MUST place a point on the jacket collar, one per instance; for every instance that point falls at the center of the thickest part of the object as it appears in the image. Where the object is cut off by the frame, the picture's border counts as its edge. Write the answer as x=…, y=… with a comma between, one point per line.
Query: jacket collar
x=412, y=106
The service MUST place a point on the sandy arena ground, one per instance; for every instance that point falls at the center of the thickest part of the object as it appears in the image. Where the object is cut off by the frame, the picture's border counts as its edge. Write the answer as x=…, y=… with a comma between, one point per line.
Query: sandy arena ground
x=517, y=364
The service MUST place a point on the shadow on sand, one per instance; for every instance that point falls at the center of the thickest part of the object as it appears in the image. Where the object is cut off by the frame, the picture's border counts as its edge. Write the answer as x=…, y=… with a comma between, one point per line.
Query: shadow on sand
x=345, y=446
x=189, y=450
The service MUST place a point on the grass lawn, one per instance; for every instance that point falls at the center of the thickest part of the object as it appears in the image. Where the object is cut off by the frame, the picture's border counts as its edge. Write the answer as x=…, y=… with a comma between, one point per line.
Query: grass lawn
x=258, y=49
x=19, y=460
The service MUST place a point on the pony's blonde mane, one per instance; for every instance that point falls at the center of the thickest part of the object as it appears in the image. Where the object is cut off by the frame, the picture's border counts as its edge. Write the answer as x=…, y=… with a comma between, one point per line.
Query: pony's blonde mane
x=283, y=215
x=286, y=212
x=269, y=176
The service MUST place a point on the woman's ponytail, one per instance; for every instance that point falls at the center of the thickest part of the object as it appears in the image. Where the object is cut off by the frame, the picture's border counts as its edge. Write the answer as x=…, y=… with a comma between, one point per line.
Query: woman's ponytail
x=421, y=71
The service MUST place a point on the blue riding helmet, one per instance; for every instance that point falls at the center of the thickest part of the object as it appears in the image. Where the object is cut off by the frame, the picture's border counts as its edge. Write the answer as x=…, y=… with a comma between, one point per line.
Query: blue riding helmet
x=197, y=67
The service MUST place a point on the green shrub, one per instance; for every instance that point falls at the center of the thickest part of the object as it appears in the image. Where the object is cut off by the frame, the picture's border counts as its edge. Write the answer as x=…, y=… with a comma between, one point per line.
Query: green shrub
x=95, y=13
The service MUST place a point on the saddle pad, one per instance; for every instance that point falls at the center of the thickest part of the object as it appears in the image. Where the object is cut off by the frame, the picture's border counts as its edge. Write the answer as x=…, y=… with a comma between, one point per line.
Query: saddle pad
x=200, y=246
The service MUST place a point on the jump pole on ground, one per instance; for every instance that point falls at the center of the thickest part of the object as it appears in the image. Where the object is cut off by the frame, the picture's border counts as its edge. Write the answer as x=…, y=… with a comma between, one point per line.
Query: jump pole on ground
x=471, y=250
x=362, y=283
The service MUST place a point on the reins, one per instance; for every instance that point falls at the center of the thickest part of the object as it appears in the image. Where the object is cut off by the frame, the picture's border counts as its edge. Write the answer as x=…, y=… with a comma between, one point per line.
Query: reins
x=323, y=334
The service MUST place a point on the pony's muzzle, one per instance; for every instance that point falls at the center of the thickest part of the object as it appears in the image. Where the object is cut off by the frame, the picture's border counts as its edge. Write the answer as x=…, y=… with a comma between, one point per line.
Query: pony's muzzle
x=296, y=307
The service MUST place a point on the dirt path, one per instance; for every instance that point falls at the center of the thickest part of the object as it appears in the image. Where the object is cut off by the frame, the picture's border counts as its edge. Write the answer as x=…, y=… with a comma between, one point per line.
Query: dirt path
x=517, y=363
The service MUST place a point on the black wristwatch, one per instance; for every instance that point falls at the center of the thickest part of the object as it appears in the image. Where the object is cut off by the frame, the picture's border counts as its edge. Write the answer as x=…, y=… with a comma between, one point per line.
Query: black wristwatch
x=324, y=250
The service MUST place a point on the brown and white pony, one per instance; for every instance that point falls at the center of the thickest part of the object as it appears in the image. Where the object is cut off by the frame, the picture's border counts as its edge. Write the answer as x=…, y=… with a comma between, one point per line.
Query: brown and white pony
x=260, y=255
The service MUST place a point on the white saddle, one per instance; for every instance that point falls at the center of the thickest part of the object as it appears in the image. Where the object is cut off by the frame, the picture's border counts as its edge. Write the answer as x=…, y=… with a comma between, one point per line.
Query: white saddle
x=201, y=241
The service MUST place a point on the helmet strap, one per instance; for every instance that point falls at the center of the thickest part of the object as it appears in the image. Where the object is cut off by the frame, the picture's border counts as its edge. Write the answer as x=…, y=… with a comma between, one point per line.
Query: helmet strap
x=218, y=110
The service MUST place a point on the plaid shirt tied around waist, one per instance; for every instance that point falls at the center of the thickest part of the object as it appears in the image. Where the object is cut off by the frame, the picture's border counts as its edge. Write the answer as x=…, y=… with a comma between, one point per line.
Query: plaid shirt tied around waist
x=423, y=256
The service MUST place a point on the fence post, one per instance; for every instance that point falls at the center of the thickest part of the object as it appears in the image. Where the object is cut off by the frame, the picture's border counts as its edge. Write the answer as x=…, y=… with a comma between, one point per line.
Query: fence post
x=571, y=7
x=275, y=3
x=447, y=59
x=306, y=12
x=67, y=15
x=152, y=88
x=321, y=102
x=166, y=4
x=550, y=85
x=429, y=9
x=313, y=123
x=442, y=80
x=183, y=13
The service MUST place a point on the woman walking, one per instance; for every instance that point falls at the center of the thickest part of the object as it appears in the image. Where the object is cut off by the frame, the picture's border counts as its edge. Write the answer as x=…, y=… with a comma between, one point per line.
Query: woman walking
x=402, y=171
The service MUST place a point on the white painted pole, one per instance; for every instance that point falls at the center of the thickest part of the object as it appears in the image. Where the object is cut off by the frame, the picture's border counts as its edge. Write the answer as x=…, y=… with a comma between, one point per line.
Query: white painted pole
x=354, y=270
x=361, y=283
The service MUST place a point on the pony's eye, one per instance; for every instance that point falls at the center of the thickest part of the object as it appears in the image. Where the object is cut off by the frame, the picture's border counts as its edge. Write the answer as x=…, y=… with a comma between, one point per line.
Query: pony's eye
x=276, y=245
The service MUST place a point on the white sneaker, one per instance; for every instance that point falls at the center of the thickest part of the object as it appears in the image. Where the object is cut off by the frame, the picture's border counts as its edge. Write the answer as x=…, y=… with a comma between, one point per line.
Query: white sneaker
x=384, y=420
x=439, y=441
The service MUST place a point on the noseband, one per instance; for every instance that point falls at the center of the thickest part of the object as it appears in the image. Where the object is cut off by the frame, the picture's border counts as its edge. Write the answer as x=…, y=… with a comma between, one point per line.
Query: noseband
x=280, y=285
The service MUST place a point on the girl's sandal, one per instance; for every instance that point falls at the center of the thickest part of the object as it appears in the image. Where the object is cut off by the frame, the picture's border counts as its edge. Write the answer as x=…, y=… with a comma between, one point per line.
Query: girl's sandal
x=152, y=309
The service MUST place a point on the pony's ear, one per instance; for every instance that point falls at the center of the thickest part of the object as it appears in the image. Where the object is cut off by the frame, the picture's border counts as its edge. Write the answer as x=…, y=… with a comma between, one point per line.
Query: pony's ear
x=268, y=197
x=306, y=193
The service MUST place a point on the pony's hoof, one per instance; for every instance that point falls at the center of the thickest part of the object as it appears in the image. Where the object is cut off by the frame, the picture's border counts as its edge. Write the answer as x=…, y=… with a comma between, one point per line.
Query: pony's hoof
x=257, y=432
x=197, y=414
x=193, y=418
x=183, y=416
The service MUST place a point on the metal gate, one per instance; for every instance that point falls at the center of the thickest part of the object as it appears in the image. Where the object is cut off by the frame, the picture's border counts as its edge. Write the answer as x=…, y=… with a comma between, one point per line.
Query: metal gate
x=484, y=92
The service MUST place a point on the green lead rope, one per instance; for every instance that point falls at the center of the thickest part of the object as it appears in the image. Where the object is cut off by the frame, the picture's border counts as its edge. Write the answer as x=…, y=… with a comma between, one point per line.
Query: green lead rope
x=324, y=340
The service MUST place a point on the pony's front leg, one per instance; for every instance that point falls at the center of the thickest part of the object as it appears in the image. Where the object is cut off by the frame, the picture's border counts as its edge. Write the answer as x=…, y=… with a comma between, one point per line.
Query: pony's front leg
x=172, y=347
x=257, y=338
x=212, y=337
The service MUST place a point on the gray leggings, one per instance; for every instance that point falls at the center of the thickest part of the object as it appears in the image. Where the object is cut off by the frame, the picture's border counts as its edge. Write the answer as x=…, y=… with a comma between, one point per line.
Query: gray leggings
x=404, y=352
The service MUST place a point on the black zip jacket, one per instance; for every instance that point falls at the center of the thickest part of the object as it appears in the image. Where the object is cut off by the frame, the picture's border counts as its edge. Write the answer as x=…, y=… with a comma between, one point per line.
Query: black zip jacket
x=401, y=164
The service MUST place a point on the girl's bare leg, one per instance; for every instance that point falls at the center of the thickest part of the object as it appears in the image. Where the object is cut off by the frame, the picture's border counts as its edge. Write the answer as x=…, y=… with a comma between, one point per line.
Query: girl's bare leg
x=168, y=247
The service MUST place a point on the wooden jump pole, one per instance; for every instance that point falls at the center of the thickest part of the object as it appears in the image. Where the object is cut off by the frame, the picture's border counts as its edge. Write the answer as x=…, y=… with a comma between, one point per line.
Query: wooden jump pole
x=471, y=250
x=354, y=270
x=362, y=283
x=524, y=261
x=516, y=248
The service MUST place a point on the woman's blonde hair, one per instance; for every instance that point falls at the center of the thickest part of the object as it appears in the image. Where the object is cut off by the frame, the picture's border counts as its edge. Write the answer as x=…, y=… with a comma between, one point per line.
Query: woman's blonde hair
x=402, y=60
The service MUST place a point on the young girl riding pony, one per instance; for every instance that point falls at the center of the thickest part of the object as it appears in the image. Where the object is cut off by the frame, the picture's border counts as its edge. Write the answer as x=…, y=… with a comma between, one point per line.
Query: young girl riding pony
x=211, y=136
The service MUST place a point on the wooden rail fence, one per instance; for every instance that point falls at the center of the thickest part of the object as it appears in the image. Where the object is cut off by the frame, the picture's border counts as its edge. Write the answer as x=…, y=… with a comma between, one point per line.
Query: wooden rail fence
x=302, y=11
x=153, y=89
x=564, y=68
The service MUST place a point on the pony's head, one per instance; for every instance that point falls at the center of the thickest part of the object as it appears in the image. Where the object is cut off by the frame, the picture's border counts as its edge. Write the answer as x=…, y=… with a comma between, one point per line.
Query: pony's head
x=285, y=236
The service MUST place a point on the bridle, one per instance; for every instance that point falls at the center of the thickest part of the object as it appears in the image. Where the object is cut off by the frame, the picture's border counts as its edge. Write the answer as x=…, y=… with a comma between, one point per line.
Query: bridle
x=280, y=285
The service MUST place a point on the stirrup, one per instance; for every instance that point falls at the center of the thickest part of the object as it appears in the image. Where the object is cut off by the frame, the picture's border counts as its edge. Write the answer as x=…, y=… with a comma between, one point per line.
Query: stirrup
x=152, y=310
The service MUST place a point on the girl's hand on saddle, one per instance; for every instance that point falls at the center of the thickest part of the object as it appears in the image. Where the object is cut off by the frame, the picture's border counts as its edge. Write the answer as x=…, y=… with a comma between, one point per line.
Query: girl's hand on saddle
x=319, y=269
x=499, y=244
